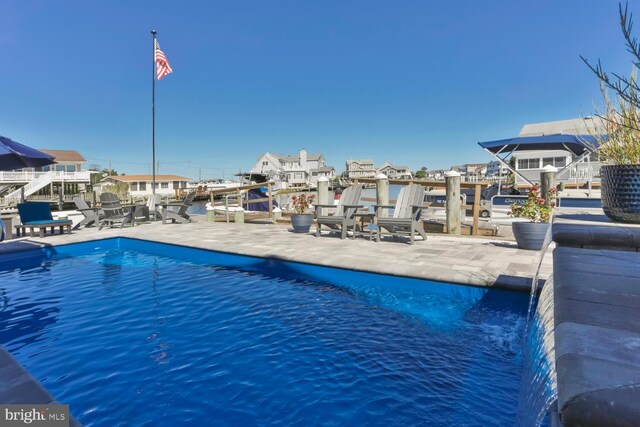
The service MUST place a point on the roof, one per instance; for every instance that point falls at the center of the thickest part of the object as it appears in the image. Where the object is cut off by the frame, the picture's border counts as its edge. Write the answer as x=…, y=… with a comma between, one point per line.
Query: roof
x=359, y=161
x=577, y=144
x=582, y=126
x=64, y=155
x=390, y=166
x=135, y=178
x=323, y=169
x=296, y=157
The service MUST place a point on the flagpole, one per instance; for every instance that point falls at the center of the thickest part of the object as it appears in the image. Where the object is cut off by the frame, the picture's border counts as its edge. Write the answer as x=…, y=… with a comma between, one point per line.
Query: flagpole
x=153, y=115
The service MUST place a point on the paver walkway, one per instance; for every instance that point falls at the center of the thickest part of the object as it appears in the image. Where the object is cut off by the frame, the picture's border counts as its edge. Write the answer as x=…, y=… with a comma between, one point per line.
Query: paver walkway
x=465, y=260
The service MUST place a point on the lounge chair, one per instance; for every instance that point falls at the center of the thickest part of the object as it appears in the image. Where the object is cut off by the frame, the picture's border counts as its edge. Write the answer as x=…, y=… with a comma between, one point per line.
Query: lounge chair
x=344, y=216
x=406, y=214
x=38, y=215
x=177, y=212
x=114, y=212
x=92, y=216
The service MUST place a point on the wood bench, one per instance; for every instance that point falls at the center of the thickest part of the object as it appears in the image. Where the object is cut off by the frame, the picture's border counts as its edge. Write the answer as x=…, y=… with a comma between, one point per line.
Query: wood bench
x=42, y=227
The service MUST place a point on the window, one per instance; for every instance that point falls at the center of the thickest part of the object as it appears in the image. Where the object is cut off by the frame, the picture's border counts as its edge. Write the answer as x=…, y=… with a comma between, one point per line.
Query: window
x=71, y=168
x=60, y=168
x=164, y=185
x=528, y=164
x=176, y=184
x=143, y=186
x=265, y=163
x=133, y=186
x=558, y=162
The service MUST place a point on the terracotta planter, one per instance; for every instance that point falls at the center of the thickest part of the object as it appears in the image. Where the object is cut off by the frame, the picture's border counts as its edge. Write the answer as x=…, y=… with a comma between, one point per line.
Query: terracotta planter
x=530, y=235
x=620, y=185
x=301, y=223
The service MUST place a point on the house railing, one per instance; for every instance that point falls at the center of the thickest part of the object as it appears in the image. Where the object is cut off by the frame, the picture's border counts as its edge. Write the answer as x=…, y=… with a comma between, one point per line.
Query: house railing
x=17, y=177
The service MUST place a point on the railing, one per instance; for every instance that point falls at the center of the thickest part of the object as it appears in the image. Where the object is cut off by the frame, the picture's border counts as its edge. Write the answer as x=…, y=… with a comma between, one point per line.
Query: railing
x=81, y=176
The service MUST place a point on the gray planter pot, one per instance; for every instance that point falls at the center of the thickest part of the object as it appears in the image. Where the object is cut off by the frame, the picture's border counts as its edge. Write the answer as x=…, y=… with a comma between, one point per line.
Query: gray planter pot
x=530, y=235
x=301, y=223
x=620, y=185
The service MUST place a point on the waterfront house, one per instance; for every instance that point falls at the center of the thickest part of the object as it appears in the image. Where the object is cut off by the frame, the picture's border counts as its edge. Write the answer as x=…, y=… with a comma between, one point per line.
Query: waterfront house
x=293, y=171
x=394, y=172
x=141, y=185
x=360, y=169
x=529, y=163
x=64, y=178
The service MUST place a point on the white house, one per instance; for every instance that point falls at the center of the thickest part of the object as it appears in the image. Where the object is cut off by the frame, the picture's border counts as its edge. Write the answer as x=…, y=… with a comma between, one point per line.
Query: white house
x=495, y=168
x=141, y=185
x=394, y=172
x=300, y=170
x=46, y=181
x=530, y=163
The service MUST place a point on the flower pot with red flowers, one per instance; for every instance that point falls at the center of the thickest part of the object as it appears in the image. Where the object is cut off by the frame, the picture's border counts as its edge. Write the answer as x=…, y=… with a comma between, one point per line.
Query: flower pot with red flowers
x=301, y=220
x=537, y=210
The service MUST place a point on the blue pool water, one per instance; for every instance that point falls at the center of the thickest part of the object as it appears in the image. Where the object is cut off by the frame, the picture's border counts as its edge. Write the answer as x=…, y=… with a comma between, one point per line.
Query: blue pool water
x=133, y=333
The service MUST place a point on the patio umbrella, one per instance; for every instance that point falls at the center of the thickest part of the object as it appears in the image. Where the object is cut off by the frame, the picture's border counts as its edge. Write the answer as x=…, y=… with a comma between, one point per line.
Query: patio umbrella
x=16, y=156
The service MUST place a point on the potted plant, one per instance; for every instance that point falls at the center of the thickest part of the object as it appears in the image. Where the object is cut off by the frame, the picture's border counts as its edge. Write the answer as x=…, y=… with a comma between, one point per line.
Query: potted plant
x=530, y=235
x=301, y=220
x=619, y=142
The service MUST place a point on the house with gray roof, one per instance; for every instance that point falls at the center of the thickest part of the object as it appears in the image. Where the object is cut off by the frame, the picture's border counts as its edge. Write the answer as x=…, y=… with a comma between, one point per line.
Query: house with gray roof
x=295, y=170
x=394, y=172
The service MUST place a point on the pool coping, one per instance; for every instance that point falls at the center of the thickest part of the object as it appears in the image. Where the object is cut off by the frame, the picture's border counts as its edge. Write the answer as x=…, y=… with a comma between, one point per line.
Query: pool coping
x=19, y=387
x=478, y=278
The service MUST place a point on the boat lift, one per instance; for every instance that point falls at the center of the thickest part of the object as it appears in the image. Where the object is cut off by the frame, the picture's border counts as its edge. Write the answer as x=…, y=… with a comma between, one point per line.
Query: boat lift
x=580, y=145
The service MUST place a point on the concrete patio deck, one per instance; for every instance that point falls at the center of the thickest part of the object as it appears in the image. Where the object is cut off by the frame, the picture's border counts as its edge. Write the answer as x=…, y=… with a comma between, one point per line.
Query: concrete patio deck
x=464, y=260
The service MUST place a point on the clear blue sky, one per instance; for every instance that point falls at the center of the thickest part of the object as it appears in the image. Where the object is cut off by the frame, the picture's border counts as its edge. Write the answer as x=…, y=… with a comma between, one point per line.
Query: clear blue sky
x=413, y=82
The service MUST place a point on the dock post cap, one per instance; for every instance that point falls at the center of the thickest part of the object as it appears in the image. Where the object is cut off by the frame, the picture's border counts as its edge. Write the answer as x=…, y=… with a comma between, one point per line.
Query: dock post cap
x=549, y=168
x=451, y=173
x=323, y=179
x=381, y=176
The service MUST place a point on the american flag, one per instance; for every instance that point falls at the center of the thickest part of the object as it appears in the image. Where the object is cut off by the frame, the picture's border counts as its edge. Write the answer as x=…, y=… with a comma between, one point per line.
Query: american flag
x=162, y=65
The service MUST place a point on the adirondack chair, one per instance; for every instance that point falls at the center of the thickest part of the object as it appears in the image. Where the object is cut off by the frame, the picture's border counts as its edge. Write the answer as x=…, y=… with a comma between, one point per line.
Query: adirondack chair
x=406, y=214
x=114, y=213
x=92, y=216
x=344, y=216
x=177, y=212
x=152, y=203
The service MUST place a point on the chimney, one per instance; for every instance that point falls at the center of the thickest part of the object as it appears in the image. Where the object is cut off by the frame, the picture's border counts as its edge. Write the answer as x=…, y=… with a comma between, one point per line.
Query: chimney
x=303, y=157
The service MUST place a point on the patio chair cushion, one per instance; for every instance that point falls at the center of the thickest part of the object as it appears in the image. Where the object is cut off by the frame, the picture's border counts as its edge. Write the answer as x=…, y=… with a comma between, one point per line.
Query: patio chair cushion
x=34, y=211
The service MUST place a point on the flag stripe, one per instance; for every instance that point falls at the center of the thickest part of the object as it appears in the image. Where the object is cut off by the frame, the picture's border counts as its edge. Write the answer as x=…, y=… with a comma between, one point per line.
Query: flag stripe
x=162, y=64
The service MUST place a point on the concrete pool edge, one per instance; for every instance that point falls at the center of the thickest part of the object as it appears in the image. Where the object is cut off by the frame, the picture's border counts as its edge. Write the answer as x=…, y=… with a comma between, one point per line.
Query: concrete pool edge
x=503, y=278
x=19, y=387
x=597, y=306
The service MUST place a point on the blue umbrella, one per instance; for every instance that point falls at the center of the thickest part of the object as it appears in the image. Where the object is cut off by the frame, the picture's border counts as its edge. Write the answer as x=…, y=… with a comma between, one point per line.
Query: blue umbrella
x=16, y=156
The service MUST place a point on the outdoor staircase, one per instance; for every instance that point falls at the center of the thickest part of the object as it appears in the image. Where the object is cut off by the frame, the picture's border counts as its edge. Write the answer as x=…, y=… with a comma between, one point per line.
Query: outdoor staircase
x=31, y=187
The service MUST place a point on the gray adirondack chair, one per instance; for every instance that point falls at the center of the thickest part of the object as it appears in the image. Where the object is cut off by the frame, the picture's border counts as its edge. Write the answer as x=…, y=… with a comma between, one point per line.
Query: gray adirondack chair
x=114, y=213
x=406, y=214
x=177, y=212
x=92, y=216
x=152, y=203
x=344, y=216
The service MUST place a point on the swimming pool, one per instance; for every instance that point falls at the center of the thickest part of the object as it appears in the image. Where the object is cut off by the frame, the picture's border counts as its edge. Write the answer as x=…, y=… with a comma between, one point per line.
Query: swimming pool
x=139, y=333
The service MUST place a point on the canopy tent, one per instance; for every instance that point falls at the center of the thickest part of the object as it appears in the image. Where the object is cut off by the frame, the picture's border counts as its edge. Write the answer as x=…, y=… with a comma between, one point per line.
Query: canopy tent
x=579, y=145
